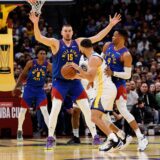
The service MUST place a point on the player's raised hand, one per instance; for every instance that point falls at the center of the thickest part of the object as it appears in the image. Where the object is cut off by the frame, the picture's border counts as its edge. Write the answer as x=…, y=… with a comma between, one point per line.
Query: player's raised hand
x=33, y=17
x=31, y=1
x=115, y=19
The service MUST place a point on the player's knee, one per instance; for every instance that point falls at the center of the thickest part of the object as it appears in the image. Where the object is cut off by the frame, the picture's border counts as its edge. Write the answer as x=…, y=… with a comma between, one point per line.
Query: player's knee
x=94, y=116
x=126, y=114
x=107, y=118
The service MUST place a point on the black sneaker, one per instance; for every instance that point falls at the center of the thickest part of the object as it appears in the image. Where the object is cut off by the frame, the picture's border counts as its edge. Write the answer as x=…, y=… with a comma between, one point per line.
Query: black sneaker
x=110, y=145
x=74, y=140
x=19, y=136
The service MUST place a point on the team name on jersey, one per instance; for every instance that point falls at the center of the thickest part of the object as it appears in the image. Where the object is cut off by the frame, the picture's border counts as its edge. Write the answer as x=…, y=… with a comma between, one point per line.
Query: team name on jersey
x=37, y=73
x=69, y=54
x=110, y=57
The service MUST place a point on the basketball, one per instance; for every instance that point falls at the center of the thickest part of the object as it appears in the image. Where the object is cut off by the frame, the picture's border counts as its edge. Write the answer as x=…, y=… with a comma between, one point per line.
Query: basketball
x=68, y=72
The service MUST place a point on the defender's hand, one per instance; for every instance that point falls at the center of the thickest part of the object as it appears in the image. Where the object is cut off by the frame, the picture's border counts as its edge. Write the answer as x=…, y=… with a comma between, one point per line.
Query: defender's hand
x=113, y=21
x=33, y=17
x=31, y=1
x=108, y=71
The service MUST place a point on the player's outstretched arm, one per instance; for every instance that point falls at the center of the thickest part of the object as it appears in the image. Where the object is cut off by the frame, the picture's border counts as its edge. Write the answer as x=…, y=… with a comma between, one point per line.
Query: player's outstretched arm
x=98, y=37
x=51, y=42
x=23, y=75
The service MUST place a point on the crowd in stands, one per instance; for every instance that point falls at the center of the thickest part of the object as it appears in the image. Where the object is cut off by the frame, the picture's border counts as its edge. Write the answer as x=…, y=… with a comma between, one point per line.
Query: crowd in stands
x=140, y=18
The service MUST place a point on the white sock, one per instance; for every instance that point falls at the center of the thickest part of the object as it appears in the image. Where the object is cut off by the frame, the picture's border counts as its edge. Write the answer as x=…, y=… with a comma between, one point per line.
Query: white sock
x=21, y=118
x=45, y=114
x=84, y=106
x=76, y=132
x=113, y=137
x=121, y=134
x=56, y=106
x=138, y=133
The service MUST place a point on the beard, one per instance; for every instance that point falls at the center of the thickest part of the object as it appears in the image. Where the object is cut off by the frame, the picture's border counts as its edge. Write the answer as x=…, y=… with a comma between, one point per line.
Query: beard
x=67, y=39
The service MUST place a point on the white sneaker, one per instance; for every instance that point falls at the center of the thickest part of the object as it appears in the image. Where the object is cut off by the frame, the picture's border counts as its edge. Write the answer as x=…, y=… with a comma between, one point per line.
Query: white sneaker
x=126, y=142
x=110, y=146
x=142, y=143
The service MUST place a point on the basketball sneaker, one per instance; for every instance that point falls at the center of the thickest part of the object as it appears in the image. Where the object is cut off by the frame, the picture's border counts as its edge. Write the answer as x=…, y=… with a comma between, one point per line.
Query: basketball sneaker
x=96, y=140
x=50, y=143
x=74, y=140
x=110, y=145
x=126, y=142
x=142, y=143
x=19, y=136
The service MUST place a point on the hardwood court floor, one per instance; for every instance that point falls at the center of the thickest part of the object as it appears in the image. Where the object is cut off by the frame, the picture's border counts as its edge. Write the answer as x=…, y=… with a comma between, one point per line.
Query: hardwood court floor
x=33, y=149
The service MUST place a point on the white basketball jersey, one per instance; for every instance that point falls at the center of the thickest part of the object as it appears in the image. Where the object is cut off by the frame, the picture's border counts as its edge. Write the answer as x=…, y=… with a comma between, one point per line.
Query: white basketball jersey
x=101, y=80
x=84, y=65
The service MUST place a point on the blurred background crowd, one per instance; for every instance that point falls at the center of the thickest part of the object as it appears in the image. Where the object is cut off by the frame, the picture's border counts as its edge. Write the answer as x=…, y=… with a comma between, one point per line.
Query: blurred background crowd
x=140, y=18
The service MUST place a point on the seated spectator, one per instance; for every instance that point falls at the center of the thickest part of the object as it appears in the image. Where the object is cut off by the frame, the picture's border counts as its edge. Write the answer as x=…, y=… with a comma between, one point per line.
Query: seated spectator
x=143, y=45
x=149, y=54
x=143, y=115
x=149, y=78
x=133, y=86
x=138, y=85
x=152, y=89
x=149, y=101
x=132, y=96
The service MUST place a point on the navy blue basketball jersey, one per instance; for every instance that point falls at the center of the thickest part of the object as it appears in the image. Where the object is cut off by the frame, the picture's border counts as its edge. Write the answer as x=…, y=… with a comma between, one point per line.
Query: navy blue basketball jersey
x=112, y=58
x=37, y=74
x=64, y=55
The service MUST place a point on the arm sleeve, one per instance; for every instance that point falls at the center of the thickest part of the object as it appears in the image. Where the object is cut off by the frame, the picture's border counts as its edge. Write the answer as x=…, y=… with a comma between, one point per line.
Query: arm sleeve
x=124, y=75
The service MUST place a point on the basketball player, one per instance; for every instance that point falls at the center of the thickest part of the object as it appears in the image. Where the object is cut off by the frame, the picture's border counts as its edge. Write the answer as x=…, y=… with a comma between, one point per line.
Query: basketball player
x=65, y=51
x=105, y=93
x=119, y=60
x=35, y=74
x=74, y=110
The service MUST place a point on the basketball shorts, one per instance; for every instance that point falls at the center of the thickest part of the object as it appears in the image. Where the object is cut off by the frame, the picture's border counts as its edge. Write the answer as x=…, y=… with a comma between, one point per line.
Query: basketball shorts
x=33, y=96
x=105, y=99
x=61, y=88
x=121, y=91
